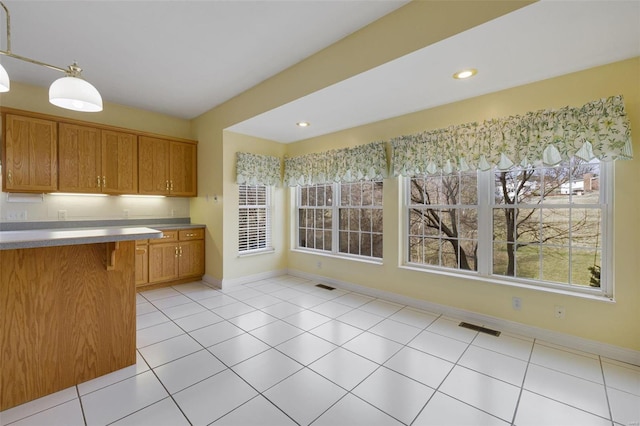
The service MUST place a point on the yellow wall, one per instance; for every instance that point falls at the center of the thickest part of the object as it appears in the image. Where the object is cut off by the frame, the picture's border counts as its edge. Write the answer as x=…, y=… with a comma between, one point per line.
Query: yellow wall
x=32, y=98
x=613, y=323
x=251, y=265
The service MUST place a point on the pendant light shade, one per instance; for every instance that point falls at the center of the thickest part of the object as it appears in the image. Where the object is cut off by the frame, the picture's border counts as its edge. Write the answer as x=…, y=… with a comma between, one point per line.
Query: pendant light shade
x=76, y=94
x=4, y=80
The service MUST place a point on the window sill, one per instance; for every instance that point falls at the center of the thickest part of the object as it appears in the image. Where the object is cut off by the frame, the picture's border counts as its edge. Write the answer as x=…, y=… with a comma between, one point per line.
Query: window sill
x=584, y=294
x=372, y=261
x=257, y=252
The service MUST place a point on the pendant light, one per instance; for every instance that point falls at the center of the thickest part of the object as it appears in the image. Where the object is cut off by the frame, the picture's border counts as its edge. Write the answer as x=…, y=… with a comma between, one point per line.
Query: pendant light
x=4, y=80
x=70, y=92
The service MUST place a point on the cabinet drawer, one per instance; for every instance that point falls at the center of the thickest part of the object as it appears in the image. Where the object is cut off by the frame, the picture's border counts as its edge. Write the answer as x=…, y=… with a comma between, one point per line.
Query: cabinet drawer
x=191, y=234
x=167, y=236
x=142, y=242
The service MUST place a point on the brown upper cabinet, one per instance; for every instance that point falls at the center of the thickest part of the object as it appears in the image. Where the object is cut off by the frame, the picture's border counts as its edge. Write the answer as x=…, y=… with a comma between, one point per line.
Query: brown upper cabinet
x=92, y=160
x=167, y=167
x=29, y=155
x=41, y=153
x=119, y=163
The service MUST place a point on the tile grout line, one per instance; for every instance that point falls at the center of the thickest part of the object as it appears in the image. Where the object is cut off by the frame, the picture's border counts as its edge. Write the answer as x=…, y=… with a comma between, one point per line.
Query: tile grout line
x=524, y=378
x=606, y=390
x=84, y=417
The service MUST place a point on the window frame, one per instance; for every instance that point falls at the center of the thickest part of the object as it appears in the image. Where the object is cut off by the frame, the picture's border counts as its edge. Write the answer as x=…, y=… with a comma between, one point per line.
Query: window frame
x=335, y=207
x=485, y=184
x=459, y=206
x=268, y=226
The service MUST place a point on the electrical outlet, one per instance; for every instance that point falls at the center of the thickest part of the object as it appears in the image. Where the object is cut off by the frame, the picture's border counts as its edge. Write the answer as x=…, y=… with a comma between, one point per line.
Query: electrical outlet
x=62, y=215
x=319, y=265
x=172, y=213
x=559, y=312
x=125, y=213
x=17, y=215
x=516, y=303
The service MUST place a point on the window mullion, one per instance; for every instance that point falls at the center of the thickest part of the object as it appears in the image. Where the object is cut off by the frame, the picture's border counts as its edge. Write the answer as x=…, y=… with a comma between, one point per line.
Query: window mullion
x=606, y=227
x=335, y=221
x=485, y=222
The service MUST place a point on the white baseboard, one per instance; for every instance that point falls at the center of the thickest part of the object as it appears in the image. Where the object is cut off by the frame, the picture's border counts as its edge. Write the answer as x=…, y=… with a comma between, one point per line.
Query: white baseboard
x=228, y=283
x=603, y=349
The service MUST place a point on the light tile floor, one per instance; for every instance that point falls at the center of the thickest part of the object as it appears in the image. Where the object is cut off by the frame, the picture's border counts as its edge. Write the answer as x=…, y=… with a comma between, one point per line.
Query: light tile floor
x=283, y=352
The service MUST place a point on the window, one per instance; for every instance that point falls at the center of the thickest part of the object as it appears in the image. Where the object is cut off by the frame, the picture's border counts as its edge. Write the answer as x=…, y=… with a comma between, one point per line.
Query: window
x=538, y=225
x=315, y=217
x=547, y=223
x=443, y=221
x=254, y=218
x=357, y=208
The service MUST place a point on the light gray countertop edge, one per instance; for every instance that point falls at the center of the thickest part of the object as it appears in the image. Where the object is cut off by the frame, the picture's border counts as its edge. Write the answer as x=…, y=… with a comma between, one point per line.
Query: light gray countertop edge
x=12, y=240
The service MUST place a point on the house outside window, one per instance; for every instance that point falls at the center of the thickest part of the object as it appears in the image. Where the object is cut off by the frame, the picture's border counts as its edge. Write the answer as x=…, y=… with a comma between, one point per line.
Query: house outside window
x=341, y=218
x=544, y=226
x=254, y=219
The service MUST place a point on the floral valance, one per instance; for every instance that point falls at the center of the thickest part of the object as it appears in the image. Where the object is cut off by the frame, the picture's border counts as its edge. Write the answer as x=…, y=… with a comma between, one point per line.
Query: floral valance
x=599, y=129
x=363, y=162
x=254, y=169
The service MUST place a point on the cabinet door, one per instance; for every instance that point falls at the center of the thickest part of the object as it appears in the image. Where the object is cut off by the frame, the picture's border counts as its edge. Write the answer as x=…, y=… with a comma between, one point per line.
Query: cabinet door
x=153, y=166
x=119, y=163
x=30, y=155
x=191, y=258
x=79, y=159
x=163, y=262
x=183, y=180
x=142, y=264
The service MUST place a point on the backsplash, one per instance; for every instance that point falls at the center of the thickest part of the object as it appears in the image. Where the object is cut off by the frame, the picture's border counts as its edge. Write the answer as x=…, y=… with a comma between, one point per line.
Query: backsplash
x=82, y=207
x=49, y=207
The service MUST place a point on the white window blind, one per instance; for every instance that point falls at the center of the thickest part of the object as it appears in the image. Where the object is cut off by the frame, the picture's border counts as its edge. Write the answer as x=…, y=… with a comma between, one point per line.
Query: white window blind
x=254, y=219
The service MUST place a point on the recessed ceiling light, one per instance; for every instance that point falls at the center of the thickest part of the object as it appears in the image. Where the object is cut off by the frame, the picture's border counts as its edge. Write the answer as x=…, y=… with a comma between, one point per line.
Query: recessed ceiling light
x=460, y=75
x=303, y=124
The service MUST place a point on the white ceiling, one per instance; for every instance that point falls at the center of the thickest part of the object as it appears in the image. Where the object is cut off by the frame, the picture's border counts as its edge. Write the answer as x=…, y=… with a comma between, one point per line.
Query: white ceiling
x=183, y=58
x=543, y=40
x=180, y=57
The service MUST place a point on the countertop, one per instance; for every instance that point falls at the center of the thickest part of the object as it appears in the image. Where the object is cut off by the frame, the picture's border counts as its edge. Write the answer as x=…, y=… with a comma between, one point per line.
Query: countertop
x=177, y=226
x=20, y=235
x=11, y=240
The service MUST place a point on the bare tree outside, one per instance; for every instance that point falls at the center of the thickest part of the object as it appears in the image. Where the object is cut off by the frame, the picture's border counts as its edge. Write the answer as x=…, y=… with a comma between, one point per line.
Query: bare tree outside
x=355, y=212
x=546, y=222
x=315, y=217
x=443, y=220
x=360, y=226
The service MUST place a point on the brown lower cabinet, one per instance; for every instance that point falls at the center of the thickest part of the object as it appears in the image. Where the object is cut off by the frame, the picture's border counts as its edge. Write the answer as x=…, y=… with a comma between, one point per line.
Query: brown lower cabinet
x=176, y=257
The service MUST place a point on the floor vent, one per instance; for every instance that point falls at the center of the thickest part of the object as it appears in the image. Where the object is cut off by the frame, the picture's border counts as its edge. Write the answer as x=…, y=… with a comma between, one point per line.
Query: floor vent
x=326, y=287
x=480, y=329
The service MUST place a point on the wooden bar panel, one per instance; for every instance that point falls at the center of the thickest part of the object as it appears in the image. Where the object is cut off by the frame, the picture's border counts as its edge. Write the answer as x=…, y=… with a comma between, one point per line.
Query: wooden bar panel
x=64, y=319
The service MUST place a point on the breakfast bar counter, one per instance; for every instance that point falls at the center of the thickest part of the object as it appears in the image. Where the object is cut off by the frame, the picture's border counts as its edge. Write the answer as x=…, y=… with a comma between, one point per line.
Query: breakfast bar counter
x=67, y=307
